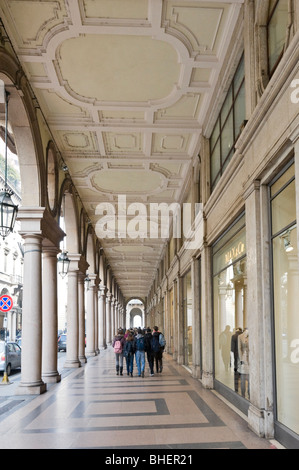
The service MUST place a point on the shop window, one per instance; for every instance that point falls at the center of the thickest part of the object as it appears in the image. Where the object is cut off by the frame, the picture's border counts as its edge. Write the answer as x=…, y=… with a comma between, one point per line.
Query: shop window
x=231, y=334
x=277, y=32
x=285, y=287
x=187, y=298
x=228, y=126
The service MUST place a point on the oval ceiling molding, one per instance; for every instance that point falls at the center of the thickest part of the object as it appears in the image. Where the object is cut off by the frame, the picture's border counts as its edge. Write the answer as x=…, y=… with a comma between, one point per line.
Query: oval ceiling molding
x=120, y=61
x=135, y=182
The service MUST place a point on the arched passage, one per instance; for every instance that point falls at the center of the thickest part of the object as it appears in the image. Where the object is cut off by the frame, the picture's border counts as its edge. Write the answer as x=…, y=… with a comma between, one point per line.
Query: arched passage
x=135, y=314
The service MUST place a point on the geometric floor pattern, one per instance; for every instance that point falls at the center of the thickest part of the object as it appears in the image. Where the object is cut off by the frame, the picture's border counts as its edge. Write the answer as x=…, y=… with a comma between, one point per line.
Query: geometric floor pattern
x=93, y=408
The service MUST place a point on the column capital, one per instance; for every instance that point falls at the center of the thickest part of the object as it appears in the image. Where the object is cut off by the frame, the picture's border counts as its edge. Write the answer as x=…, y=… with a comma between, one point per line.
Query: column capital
x=102, y=290
x=38, y=221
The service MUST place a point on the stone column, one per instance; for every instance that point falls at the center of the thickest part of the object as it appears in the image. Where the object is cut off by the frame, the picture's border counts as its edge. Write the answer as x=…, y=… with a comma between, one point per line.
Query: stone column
x=260, y=413
x=31, y=381
x=112, y=317
x=72, y=349
x=108, y=317
x=81, y=313
x=49, y=315
x=196, y=336
x=175, y=320
x=206, y=319
x=180, y=321
x=90, y=317
x=101, y=326
x=96, y=318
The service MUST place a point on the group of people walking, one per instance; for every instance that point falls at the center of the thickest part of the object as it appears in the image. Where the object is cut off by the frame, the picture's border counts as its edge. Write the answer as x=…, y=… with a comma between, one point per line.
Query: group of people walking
x=138, y=343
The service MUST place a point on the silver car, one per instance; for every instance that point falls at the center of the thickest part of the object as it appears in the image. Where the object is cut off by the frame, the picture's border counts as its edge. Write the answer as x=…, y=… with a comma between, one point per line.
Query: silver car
x=13, y=356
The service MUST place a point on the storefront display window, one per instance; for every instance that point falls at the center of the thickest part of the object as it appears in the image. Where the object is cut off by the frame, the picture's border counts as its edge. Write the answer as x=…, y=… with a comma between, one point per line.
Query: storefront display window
x=285, y=281
x=231, y=334
x=187, y=285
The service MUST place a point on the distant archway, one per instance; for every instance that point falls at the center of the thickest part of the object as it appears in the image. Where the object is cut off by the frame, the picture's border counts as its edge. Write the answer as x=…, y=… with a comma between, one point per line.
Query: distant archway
x=135, y=314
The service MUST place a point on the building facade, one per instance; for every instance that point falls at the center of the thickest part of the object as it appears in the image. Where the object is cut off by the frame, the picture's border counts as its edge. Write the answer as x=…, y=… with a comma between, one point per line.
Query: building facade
x=227, y=303
x=242, y=280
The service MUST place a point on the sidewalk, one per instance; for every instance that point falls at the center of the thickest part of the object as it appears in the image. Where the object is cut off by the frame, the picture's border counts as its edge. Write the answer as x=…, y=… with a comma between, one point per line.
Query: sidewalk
x=92, y=408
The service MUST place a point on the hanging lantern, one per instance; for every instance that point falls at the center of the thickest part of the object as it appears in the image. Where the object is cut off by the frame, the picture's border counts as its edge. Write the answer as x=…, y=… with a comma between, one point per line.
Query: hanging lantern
x=8, y=213
x=8, y=210
x=63, y=264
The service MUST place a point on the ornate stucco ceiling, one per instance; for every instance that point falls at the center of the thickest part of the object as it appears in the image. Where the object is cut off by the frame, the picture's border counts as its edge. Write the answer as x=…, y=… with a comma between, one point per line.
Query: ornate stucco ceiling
x=125, y=86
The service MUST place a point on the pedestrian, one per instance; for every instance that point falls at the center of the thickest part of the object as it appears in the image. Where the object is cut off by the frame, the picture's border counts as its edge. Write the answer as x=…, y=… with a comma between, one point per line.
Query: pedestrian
x=158, y=344
x=118, y=344
x=129, y=351
x=149, y=352
x=140, y=352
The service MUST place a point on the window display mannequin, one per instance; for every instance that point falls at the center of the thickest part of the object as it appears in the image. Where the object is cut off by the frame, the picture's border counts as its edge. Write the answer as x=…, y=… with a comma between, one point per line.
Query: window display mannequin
x=234, y=350
x=243, y=368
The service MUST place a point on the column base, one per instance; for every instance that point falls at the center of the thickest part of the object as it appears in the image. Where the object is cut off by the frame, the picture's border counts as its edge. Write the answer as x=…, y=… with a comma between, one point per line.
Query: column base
x=261, y=422
x=180, y=359
x=91, y=354
x=31, y=389
x=71, y=364
x=83, y=359
x=207, y=380
x=51, y=378
x=196, y=372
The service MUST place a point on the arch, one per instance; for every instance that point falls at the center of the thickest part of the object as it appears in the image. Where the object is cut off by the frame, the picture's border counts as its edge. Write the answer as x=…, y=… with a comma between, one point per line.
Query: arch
x=133, y=298
x=23, y=127
x=91, y=253
x=52, y=177
x=69, y=212
x=133, y=309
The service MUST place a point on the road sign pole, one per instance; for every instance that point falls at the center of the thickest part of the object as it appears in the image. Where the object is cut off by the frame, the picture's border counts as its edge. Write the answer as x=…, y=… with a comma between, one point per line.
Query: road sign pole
x=6, y=304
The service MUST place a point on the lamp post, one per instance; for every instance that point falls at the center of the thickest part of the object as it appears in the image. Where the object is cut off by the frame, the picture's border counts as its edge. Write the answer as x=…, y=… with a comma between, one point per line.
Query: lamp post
x=5, y=379
x=8, y=210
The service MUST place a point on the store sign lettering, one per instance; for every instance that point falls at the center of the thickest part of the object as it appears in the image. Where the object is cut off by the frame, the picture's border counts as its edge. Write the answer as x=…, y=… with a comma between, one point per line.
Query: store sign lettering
x=234, y=252
x=295, y=352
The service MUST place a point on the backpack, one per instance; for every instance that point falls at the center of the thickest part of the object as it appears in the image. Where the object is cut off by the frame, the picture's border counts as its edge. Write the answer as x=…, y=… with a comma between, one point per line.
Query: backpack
x=140, y=344
x=162, y=340
x=155, y=344
x=118, y=347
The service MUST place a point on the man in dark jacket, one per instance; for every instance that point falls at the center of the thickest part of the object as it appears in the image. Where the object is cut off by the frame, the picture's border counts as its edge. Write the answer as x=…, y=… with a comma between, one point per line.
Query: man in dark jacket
x=157, y=349
x=148, y=347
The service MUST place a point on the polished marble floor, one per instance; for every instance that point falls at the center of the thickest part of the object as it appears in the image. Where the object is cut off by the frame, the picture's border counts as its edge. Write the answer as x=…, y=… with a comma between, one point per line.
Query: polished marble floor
x=93, y=408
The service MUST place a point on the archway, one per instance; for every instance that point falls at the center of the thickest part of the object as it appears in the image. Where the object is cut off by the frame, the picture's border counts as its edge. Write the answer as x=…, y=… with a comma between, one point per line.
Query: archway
x=135, y=314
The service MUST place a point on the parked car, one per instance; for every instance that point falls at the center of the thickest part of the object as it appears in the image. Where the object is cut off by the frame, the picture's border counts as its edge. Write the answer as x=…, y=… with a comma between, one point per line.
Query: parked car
x=62, y=343
x=13, y=356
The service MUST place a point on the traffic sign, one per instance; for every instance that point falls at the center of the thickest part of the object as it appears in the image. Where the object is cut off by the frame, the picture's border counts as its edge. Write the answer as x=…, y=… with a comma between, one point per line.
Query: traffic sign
x=6, y=303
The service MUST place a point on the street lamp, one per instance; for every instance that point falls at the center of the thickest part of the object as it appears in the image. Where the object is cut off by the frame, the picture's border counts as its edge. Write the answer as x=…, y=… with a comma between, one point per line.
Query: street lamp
x=63, y=264
x=8, y=210
x=63, y=260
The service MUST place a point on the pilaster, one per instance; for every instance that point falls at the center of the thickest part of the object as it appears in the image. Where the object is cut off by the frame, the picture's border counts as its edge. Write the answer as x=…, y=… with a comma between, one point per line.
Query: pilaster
x=260, y=413
x=206, y=319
